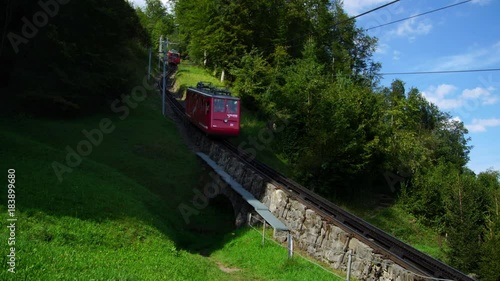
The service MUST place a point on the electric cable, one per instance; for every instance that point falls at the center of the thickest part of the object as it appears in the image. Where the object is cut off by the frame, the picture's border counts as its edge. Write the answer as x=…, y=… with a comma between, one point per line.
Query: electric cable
x=418, y=15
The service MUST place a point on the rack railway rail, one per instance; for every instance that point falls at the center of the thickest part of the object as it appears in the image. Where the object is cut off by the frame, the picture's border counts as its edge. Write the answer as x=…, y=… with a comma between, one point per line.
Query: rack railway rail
x=382, y=242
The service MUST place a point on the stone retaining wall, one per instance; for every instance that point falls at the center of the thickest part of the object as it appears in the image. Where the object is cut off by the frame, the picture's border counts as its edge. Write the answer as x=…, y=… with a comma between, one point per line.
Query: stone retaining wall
x=314, y=234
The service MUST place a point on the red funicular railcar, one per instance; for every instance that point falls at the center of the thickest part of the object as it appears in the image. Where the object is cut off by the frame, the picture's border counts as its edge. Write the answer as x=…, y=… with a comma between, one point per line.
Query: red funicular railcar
x=213, y=110
x=173, y=57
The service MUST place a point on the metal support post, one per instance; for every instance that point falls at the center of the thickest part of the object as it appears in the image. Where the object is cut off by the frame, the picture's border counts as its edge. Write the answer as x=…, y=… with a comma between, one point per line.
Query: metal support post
x=160, y=52
x=250, y=219
x=290, y=245
x=349, y=260
x=149, y=64
x=164, y=81
x=263, y=232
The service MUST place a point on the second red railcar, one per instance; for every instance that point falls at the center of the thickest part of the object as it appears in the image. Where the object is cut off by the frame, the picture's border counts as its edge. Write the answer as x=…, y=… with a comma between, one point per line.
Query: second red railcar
x=173, y=57
x=213, y=110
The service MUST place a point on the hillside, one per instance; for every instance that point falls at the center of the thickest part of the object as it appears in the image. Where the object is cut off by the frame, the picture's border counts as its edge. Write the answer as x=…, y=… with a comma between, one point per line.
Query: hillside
x=114, y=216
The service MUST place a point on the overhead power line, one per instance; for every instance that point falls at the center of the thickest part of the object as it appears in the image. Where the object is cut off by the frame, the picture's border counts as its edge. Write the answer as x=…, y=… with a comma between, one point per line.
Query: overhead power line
x=372, y=10
x=344, y=21
x=414, y=16
x=439, y=72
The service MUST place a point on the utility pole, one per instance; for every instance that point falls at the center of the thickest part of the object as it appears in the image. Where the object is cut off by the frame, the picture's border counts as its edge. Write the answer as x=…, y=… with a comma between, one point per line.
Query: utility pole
x=164, y=79
x=149, y=64
x=333, y=68
x=159, y=53
x=164, y=84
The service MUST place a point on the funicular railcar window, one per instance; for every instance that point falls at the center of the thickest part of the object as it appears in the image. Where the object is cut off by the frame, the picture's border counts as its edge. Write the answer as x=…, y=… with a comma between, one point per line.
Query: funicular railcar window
x=232, y=106
x=219, y=105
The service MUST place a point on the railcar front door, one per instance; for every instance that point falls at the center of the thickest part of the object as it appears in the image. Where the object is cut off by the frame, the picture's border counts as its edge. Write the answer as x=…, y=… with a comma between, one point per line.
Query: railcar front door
x=225, y=117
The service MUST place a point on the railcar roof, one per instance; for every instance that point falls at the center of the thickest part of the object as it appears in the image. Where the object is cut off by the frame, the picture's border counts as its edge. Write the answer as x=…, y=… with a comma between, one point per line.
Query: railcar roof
x=211, y=94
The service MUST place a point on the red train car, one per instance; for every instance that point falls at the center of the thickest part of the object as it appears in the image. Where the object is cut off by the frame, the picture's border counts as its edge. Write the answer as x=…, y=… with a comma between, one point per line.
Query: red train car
x=213, y=110
x=173, y=57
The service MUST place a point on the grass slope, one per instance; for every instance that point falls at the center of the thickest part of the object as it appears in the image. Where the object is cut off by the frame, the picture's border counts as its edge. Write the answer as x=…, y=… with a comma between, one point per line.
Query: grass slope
x=406, y=227
x=114, y=216
x=107, y=219
x=246, y=252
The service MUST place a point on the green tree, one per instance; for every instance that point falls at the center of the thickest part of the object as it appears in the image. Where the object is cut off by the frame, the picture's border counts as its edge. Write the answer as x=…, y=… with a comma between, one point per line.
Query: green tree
x=490, y=255
x=465, y=203
x=79, y=61
x=253, y=77
x=156, y=20
x=352, y=49
x=331, y=136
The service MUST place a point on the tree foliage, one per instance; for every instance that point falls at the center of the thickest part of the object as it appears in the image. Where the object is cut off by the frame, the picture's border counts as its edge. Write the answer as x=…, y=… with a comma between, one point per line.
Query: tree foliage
x=76, y=62
x=156, y=20
x=489, y=263
x=220, y=32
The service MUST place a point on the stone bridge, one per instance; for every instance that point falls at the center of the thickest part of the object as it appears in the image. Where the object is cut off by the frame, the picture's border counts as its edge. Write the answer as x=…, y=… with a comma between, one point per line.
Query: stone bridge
x=312, y=233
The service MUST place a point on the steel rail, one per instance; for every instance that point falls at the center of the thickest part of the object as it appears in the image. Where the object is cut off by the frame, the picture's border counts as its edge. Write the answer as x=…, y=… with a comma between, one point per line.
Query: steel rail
x=396, y=250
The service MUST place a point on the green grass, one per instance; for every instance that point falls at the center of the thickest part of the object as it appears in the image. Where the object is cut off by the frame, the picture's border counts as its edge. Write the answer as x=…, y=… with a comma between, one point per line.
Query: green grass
x=114, y=216
x=189, y=75
x=407, y=228
x=244, y=251
x=109, y=219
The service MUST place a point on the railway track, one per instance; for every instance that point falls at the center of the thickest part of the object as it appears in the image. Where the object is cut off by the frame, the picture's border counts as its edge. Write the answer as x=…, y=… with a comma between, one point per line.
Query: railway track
x=382, y=242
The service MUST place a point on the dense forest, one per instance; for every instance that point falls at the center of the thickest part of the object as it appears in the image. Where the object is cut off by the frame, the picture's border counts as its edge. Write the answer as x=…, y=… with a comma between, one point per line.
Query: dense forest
x=302, y=65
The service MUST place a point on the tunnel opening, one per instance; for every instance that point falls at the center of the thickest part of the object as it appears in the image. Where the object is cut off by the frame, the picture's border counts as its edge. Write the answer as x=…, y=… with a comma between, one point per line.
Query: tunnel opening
x=210, y=226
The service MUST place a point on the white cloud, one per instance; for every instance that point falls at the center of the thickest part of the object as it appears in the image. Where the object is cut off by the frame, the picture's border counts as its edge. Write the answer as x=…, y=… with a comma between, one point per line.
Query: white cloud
x=445, y=98
x=382, y=48
x=476, y=58
x=411, y=28
x=480, y=125
x=437, y=95
x=477, y=92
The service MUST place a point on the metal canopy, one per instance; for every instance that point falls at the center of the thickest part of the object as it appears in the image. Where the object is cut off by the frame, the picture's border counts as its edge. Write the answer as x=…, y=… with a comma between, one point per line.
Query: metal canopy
x=260, y=208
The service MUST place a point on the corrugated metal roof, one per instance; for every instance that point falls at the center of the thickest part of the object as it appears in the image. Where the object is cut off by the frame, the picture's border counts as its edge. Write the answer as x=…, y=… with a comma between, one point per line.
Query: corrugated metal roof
x=260, y=208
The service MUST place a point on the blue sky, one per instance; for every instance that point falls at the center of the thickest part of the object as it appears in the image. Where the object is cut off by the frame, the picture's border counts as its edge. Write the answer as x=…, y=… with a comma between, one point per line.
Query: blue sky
x=465, y=36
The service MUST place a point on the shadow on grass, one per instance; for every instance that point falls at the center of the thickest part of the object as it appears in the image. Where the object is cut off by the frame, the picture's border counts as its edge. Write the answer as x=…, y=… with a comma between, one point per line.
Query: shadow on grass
x=210, y=227
x=141, y=173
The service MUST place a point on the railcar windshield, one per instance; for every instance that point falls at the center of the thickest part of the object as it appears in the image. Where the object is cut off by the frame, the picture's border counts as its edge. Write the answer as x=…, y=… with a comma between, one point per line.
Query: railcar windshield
x=232, y=106
x=219, y=105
